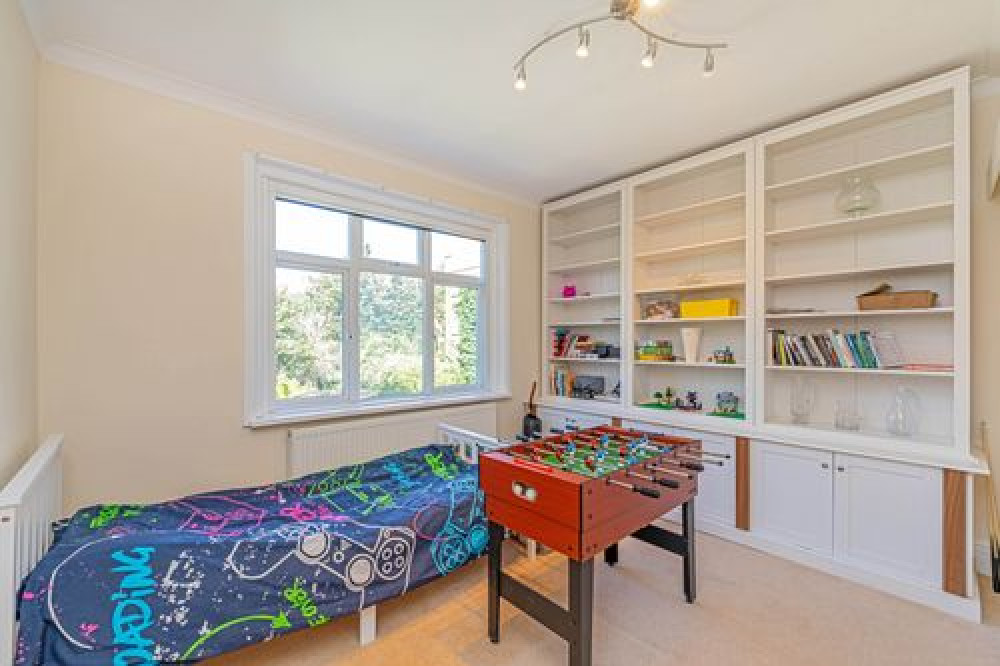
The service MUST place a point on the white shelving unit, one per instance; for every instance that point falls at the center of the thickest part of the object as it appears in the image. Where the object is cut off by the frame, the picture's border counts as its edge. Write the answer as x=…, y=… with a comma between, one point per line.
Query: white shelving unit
x=582, y=248
x=757, y=222
x=693, y=222
x=912, y=147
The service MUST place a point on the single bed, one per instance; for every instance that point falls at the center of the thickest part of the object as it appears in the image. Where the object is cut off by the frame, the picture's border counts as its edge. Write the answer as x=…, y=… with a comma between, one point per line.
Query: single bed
x=188, y=579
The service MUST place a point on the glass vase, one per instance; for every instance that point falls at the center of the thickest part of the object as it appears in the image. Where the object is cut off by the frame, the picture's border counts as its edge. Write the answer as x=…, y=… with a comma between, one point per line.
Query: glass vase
x=901, y=419
x=858, y=196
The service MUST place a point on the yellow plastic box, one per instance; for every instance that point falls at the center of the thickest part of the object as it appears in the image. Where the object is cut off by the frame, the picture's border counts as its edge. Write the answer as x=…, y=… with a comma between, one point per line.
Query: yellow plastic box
x=716, y=307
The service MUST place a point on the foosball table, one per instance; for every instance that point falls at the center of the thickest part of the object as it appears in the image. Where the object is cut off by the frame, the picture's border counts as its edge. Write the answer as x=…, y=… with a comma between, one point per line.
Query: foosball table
x=580, y=492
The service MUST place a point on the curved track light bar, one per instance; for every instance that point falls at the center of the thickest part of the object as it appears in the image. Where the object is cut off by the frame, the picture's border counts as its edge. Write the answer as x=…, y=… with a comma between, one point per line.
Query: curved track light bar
x=621, y=10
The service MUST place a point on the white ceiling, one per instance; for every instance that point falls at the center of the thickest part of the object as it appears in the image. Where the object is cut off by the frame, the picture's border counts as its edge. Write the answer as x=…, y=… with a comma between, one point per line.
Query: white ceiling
x=431, y=81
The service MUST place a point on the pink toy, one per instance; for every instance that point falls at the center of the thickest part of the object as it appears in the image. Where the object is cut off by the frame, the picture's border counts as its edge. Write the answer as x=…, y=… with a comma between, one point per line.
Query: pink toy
x=569, y=291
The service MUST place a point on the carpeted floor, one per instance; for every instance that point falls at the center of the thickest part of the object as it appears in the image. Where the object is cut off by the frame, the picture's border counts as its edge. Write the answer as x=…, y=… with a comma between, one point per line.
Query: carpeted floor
x=751, y=609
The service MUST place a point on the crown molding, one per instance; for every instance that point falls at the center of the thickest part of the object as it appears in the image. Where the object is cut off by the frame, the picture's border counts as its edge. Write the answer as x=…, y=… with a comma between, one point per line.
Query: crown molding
x=105, y=65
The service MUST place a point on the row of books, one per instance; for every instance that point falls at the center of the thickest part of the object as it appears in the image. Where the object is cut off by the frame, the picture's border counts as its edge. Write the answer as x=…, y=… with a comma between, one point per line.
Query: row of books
x=833, y=349
x=565, y=343
x=560, y=381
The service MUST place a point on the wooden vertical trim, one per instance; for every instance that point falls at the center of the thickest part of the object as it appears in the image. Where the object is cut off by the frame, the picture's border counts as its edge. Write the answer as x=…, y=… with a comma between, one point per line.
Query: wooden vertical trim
x=953, y=575
x=742, y=483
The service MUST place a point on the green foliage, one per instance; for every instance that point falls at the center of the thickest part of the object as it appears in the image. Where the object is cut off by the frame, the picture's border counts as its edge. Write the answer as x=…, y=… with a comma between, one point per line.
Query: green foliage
x=308, y=336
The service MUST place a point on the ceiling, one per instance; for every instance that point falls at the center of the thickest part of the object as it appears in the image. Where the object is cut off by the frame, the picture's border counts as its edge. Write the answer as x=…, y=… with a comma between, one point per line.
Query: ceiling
x=431, y=82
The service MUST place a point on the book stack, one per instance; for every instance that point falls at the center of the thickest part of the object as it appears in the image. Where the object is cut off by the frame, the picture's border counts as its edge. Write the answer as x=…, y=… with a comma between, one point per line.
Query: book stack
x=833, y=349
x=571, y=345
x=560, y=381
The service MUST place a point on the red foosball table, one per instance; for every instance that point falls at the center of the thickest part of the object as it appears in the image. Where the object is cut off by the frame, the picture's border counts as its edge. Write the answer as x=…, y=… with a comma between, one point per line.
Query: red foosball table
x=580, y=492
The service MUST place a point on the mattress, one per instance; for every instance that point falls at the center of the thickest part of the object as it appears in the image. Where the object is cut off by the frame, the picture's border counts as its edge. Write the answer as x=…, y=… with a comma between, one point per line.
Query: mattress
x=198, y=576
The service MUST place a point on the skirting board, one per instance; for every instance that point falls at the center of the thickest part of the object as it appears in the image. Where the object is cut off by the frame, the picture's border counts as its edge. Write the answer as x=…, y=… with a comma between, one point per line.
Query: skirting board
x=966, y=608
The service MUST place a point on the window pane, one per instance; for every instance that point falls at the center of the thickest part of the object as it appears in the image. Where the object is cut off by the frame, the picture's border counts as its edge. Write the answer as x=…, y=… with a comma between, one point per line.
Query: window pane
x=456, y=340
x=392, y=311
x=309, y=229
x=454, y=254
x=308, y=332
x=390, y=242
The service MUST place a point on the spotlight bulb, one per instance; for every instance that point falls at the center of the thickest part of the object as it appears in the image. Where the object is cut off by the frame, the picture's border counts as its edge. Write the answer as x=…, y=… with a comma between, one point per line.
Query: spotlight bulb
x=709, y=67
x=583, y=49
x=649, y=59
x=521, y=82
x=650, y=4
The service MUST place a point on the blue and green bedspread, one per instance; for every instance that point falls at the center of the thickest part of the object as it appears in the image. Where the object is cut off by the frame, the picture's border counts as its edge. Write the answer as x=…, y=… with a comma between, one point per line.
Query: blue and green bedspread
x=189, y=579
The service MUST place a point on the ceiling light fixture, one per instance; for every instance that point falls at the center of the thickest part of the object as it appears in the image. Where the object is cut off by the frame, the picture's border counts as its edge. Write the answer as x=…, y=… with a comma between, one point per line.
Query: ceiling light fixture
x=521, y=82
x=583, y=50
x=625, y=11
x=649, y=58
x=709, y=67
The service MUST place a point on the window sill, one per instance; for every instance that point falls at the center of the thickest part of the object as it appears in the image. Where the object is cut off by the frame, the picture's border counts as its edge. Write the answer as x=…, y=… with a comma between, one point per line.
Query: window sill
x=291, y=417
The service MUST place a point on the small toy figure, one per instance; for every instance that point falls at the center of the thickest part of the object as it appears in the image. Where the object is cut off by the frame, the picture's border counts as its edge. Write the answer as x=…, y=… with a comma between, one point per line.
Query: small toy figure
x=724, y=356
x=690, y=403
x=569, y=291
x=727, y=402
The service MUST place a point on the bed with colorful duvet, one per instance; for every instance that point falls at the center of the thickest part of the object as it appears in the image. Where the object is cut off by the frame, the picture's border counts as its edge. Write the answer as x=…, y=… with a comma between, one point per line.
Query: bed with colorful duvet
x=195, y=577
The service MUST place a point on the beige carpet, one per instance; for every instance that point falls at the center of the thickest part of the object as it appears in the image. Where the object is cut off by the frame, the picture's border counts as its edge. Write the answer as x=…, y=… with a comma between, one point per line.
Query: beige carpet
x=751, y=609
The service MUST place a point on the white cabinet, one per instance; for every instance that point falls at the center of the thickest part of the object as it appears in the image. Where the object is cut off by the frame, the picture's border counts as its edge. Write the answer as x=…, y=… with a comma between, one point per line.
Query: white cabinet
x=791, y=496
x=879, y=516
x=887, y=518
x=716, y=501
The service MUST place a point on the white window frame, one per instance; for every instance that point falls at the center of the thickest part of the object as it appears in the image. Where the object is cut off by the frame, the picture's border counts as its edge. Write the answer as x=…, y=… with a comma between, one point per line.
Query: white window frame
x=268, y=179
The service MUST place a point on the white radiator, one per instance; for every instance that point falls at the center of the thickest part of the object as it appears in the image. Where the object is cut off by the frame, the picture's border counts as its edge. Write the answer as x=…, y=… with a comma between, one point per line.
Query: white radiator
x=357, y=441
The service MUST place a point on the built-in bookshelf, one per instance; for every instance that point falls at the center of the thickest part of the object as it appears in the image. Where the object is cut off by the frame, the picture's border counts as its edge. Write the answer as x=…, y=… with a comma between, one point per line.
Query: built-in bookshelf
x=692, y=241
x=763, y=223
x=818, y=249
x=582, y=308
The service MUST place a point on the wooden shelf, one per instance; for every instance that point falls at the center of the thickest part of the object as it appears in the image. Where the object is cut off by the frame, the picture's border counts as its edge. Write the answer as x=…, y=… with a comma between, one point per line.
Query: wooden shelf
x=570, y=359
x=858, y=272
x=567, y=324
x=863, y=371
x=873, y=221
x=833, y=314
x=690, y=210
x=911, y=160
x=594, y=265
x=699, y=364
x=594, y=233
x=828, y=428
x=585, y=299
x=704, y=286
x=692, y=250
x=691, y=320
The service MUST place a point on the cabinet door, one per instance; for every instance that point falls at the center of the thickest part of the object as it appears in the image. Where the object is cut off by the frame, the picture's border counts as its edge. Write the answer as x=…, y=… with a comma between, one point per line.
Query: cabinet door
x=557, y=418
x=791, y=496
x=716, y=500
x=888, y=518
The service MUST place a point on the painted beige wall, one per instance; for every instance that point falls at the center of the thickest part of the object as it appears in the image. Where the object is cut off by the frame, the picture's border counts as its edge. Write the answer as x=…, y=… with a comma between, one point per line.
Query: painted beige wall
x=18, y=108
x=140, y=264
x=985, y=293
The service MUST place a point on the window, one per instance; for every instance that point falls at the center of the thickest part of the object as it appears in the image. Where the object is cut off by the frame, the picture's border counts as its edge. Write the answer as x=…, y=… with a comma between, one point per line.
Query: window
x=361, y=300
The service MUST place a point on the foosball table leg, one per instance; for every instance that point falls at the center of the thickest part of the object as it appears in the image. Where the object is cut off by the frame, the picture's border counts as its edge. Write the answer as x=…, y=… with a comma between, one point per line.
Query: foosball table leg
x=581, y=611
x=494, y=567
x=611, y=555
x=687, y=526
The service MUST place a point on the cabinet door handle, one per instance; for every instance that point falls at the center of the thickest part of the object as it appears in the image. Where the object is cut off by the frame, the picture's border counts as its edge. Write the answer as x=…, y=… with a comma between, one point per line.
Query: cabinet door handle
x=825, y=465
x=840, y=468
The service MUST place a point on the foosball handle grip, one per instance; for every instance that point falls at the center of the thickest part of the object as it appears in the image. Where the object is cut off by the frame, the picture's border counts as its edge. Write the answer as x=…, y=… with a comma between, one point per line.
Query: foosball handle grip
x=557, y=431
x=668, y=483
x=697, y=467
x=522, y=438
x=648, y=492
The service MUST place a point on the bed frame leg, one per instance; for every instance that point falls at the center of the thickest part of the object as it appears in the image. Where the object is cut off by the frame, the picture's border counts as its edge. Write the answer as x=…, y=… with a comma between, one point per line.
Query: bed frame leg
x=532, y=547
x=367, y=633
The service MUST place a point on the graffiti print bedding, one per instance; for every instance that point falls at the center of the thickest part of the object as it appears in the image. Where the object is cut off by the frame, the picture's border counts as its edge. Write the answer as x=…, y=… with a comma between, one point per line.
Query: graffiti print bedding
x=195, y=577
